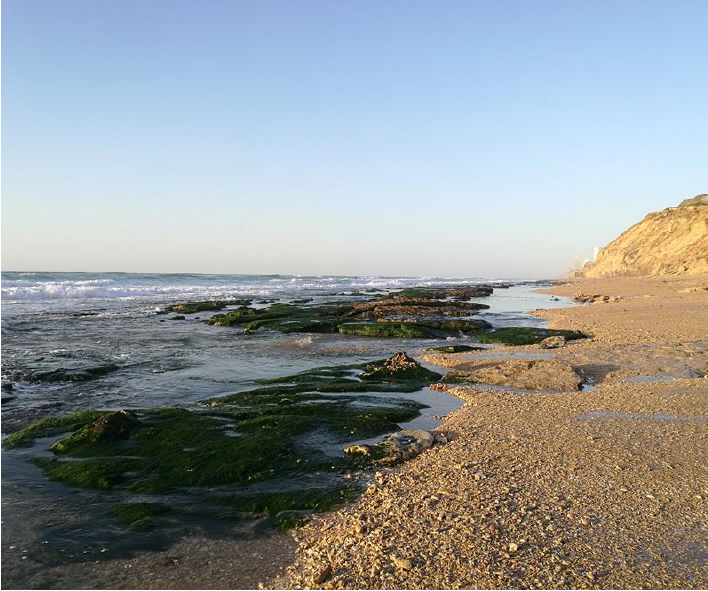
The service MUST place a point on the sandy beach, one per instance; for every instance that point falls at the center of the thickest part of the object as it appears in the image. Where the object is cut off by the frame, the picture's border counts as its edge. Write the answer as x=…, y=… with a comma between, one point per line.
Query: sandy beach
x=604, y=487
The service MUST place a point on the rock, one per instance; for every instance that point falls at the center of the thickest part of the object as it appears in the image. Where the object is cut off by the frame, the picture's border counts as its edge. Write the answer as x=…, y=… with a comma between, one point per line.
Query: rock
x=701, y=199
x=455, y=349
x=363, y=450
x=73, y=375
x=322, y=575
x=533, y=374
x=441, y=438
x=178, y=317
x=513, y=547
x=112, y=427
x=398, y=367
x=526, y=335
x=553, y=342
x=408, y=443
x=402, y=563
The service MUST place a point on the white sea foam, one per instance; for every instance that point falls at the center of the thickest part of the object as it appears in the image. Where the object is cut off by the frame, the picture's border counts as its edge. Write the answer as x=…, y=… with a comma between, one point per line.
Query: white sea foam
x=18, y=288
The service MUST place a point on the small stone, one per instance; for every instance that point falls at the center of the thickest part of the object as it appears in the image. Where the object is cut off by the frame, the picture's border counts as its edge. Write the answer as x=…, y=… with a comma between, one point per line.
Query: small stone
x=402, y=563
x=322, y=575
x=363, y=450
x=553, y=342
x=513, y=547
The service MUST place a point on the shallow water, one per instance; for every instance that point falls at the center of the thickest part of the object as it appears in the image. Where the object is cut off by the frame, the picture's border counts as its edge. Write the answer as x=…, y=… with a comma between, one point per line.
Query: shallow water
x=74, y=320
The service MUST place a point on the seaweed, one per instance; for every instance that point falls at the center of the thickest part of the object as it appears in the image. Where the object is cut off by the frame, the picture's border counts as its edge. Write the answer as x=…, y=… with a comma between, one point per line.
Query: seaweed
x=524, y=335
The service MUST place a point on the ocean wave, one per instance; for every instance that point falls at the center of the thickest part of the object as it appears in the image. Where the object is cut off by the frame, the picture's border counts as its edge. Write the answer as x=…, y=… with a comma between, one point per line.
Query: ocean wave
x=84, y=290
x=169, y=287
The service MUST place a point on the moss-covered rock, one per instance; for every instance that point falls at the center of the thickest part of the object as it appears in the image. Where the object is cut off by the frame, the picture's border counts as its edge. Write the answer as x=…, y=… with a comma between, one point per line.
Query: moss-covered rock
x=50, y=427
x=454, y=326
x=208, y=306
x=399, y=367
x=524, y=335
x=455, y=348
x=408, y=330
x=108, y=427
x=245, y=314
x=459, y=293
x=81, y=374
x=253, y=436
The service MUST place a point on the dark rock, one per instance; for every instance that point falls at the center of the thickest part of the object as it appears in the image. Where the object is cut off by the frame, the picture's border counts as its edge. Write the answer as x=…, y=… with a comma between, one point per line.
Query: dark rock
x=73, y=375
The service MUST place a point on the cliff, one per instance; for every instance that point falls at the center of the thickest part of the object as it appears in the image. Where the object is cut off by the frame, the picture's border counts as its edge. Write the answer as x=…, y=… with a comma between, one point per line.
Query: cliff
x=667, y=242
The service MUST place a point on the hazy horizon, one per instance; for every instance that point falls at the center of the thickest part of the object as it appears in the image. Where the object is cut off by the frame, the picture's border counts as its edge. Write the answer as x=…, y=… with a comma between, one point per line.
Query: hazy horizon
x=452, y=139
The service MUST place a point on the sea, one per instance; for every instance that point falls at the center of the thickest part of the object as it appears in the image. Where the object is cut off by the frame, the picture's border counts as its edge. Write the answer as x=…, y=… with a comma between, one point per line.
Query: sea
x=65, y=320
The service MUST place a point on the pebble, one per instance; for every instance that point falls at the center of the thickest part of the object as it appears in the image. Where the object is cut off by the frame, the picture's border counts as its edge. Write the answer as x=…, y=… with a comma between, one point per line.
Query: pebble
x=403, y=563
x=322, y=575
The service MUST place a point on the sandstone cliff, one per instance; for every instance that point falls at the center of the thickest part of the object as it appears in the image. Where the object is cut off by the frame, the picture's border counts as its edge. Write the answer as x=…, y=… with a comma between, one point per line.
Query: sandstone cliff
x=671, y=241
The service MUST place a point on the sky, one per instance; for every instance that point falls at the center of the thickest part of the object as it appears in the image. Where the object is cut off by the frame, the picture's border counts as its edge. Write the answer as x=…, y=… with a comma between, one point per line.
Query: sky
x=497, y=138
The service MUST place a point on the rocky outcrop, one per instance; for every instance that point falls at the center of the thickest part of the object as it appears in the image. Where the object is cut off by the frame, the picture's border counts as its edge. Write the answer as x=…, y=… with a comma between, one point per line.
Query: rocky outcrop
x=667, y=242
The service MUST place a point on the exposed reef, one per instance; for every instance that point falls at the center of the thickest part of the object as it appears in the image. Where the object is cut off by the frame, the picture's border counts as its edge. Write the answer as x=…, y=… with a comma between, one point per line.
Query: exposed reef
x=419, y=313
x=523, y=335
x=239, y=439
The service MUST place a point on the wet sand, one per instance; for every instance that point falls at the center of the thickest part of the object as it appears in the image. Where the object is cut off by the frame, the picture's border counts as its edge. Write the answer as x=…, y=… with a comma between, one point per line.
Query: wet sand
x=604, y=487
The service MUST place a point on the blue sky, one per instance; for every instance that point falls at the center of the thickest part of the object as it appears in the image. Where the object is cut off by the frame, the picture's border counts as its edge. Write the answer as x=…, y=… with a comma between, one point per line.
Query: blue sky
x=497, y=138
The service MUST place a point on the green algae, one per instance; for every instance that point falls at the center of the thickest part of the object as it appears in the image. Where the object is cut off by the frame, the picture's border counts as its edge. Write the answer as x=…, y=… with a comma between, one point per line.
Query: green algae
x=523, y=335
x=383, y=372
x=100, y=473
x=454, y=348
x=421, y=329
x=258, y=435
x=208, y=306
x=50, y=427
x=174, y=448
x=245, y=314
x=409, y=330
x=453, y=326
x=288, y=508
x=350, y=319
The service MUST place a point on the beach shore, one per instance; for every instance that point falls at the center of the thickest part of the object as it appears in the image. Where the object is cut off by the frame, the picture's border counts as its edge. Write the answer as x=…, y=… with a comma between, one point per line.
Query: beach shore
x=604, y=487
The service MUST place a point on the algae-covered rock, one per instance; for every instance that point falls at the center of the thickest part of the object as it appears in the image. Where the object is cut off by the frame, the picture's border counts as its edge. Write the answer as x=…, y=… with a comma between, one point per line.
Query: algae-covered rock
x=399, y=316
x=107, y=428
x=256, y=435
x=399, y=367
x=51, y=426
x=459, y=293
x=455, y=348
x=245, y=314
x=408, y=330
x=157, y=450
x=454, y=326
x=208, y=306
x=73, y=375
x=523, y=335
